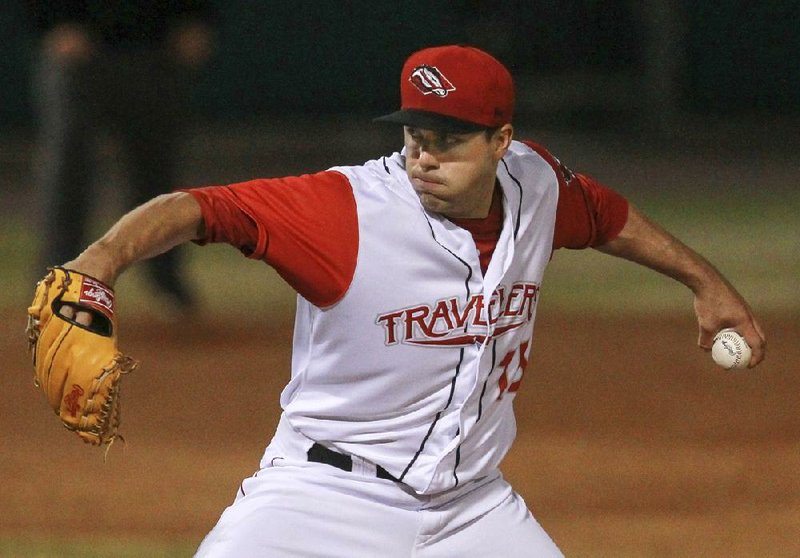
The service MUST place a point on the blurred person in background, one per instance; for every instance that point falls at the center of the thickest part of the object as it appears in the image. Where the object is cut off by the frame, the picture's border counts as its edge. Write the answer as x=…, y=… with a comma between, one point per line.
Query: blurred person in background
x=125, y=67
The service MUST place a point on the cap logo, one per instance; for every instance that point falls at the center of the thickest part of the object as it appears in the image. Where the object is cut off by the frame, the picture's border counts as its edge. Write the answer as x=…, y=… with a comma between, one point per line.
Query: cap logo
x=428, y=79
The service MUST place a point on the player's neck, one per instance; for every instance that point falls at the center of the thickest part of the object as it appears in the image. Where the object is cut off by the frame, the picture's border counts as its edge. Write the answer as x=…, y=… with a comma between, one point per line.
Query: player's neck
x=494, y=208
x=494, y=200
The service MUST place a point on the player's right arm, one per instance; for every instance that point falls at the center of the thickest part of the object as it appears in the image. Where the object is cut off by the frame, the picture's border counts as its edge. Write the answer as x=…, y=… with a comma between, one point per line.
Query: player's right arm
x=590, y=214
x=717, y=304
x=147, y=231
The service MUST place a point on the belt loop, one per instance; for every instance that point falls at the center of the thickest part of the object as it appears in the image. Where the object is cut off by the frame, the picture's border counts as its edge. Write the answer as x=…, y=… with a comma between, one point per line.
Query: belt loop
x=364, y=467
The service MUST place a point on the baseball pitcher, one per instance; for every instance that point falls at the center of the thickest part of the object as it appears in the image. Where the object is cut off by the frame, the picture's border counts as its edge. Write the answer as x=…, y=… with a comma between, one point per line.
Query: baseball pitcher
x=418, y=277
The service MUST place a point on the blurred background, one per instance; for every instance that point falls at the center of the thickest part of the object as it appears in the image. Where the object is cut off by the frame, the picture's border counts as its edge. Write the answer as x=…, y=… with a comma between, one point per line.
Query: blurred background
x=311, y=58
x=667, y=98
x=690, y=109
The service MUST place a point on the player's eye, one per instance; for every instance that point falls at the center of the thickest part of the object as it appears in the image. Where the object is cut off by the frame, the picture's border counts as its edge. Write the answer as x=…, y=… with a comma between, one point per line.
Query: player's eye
x=446, y=141
x=414, y=135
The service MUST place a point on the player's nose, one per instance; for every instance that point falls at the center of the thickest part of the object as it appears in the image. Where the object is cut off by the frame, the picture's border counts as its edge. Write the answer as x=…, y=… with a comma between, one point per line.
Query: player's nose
x=427, y=160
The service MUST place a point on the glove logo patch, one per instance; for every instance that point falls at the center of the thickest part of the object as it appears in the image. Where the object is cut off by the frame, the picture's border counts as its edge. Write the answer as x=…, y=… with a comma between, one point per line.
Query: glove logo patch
x=97, y=295
x=71, y=400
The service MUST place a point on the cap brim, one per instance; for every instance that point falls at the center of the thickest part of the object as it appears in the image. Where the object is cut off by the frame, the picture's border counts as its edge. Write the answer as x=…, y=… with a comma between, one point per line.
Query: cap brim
x=430, y=121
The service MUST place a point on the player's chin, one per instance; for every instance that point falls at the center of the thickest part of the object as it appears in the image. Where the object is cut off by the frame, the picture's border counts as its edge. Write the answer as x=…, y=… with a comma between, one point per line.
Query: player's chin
x=432, y=203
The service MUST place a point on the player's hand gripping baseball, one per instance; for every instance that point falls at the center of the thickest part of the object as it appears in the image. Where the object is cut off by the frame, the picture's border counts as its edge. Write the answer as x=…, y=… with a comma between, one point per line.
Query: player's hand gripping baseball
x=716, y=303
x=719, y=306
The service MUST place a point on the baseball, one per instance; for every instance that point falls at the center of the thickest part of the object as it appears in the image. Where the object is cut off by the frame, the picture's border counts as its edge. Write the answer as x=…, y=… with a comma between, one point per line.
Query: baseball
x=730, y=350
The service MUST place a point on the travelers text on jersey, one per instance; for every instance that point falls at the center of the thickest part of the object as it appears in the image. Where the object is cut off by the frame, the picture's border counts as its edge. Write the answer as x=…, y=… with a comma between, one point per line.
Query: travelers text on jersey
x=454, y=322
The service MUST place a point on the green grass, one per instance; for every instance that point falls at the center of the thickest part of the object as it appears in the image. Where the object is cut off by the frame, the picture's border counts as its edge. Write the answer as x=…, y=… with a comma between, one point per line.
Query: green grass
x=30, y=547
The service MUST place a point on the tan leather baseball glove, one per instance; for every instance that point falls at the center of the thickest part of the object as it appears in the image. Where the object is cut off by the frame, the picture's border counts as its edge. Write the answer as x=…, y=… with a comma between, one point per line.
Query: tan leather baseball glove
x=77, y=366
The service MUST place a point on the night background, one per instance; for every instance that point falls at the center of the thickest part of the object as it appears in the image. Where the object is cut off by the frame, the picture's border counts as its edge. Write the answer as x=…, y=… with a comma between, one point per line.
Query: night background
x=631, y=442
x=718, y=57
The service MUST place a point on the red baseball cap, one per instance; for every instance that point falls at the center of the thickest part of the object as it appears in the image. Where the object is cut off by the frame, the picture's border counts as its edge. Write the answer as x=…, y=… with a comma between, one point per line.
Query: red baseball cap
x=454, y=88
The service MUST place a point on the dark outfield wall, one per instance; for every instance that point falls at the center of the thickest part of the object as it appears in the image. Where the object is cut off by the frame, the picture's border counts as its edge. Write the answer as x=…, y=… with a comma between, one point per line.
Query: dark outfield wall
x=335, y=56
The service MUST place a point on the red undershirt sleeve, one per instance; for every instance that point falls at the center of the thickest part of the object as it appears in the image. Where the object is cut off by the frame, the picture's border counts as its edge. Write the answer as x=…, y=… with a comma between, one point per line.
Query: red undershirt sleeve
x=588, y=214
x=306, y=227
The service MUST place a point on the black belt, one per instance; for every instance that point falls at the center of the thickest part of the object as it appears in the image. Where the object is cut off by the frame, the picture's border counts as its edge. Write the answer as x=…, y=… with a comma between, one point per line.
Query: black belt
x=321, y=454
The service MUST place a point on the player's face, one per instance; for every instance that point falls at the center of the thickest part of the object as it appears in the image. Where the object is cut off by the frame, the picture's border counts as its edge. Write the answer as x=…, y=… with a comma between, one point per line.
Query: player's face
x=454, y=174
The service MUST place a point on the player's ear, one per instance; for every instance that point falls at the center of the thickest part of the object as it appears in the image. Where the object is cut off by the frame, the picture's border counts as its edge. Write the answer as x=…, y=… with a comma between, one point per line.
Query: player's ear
x=501, y=139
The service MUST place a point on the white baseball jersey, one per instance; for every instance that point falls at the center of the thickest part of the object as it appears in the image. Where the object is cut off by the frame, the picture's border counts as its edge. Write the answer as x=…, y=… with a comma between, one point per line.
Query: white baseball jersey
x=415, y=368
x=412, y=333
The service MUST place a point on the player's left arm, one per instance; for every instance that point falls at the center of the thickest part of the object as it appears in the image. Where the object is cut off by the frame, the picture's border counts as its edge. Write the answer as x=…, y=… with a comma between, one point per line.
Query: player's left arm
x=716, y=302
x=145, y=232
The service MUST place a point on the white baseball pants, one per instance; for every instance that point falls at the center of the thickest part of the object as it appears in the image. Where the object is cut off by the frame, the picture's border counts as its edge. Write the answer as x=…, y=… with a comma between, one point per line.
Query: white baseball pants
x=294, y=508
